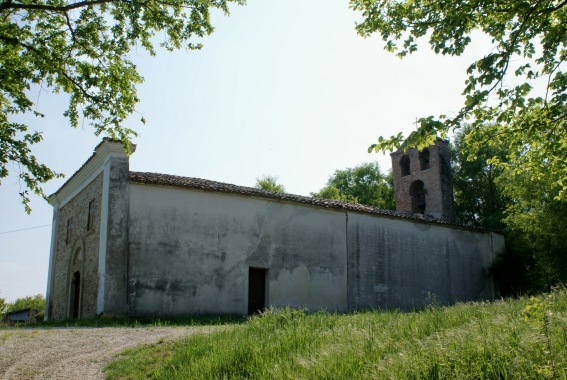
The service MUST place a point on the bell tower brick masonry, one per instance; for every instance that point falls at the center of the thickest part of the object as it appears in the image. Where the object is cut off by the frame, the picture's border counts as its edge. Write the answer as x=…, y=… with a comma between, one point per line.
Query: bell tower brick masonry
x=422, y=181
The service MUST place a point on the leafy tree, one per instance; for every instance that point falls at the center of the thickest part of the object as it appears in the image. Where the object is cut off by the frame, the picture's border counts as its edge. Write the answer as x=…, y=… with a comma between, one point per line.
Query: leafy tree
x=269, y=183
x=515, y=95
x=532, y=220
x=479, y=201
x=538, y=223
x=36, y=302
x=81, y=48
x=536, y=240
x=363, y=184
x=331, y=192
x=3, y=306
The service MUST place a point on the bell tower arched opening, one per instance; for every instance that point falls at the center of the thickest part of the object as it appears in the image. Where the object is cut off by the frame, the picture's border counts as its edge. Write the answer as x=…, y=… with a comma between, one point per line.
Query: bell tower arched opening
x=417, y=194
x=405, y=165
x=424, y=159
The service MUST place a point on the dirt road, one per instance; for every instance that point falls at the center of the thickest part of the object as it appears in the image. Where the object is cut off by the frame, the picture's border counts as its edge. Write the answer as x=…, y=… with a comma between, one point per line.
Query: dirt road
x=73, y=353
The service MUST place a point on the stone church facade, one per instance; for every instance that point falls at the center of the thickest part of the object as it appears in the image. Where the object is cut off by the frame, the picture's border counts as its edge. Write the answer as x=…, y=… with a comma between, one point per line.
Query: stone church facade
x=134, y=243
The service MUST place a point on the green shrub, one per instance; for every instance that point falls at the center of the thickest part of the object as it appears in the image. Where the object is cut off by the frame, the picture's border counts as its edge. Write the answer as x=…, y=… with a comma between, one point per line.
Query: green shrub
x=36, y=302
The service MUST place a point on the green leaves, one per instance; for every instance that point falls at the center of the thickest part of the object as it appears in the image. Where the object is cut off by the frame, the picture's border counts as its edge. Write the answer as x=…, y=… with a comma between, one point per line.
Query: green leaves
x=479, y=201
x=387, y=144
x=424, y=136
x=516, y=94
x=511, y=166
x=15, y=145
x=81, y=49
x=364, y=184
x=3, y=305
x=36, y=302
x=269, y=183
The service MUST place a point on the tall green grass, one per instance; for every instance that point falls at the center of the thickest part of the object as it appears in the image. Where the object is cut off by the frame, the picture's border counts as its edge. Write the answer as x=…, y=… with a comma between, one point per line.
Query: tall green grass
x=511, y=339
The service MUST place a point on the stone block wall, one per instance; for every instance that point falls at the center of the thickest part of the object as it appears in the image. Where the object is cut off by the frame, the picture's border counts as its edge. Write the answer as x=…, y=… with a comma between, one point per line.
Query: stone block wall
x=81, y=240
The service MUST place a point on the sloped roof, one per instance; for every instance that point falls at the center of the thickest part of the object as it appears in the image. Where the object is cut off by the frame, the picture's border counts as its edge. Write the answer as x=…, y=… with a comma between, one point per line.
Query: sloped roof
x=159, y=179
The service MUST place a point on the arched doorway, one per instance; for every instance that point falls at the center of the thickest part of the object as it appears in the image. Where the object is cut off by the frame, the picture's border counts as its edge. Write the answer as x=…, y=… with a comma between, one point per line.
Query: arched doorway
x=75, y=285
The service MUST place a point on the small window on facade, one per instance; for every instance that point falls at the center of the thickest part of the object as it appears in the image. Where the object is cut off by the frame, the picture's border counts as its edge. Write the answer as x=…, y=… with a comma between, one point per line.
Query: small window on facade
x=90, y=216
x=424, y=159
x=405, y=165
x=69, y=230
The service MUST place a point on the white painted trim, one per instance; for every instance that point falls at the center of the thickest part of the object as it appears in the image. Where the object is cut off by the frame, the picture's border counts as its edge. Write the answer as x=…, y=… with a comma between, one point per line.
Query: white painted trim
x=103, y=237
x=52, y=255
x=90, y=171
x=79, y=187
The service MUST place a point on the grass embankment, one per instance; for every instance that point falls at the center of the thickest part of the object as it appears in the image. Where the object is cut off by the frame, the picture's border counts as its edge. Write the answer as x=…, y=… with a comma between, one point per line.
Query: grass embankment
x=511, y=339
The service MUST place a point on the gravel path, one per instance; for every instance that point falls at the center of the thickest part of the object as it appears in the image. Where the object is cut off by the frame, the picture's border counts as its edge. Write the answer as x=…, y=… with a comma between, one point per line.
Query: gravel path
x=74, y=353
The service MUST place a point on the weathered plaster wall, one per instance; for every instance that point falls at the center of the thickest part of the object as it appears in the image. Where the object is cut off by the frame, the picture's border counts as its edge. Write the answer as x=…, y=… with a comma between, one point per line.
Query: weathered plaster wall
x=113, y=269
x=85, y=241
x=190, y=252
x=404, y=264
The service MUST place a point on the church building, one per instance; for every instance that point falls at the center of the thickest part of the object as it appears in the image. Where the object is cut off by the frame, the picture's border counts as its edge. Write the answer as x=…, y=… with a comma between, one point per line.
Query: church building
x=130, y=243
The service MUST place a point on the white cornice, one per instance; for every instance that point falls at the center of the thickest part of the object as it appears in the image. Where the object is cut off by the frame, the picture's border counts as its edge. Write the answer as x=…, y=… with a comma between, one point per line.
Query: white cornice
x=89, y=171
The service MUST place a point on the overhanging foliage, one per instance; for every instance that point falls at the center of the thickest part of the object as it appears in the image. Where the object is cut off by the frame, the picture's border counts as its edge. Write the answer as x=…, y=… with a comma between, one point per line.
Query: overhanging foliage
x=81, y=48
x=515, y=95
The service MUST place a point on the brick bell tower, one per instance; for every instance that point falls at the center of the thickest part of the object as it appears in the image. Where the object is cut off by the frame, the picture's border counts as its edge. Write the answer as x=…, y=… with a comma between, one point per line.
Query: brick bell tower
x=422, y=181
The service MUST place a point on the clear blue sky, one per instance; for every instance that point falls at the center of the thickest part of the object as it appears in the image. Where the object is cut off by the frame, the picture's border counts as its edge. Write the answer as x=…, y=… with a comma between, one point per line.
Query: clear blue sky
x=282, y=87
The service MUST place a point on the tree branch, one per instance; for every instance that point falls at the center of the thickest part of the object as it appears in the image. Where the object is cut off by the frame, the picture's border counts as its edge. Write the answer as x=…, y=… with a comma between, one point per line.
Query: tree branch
x=559, y=63
x=8, y=4
x=15, y=41
x=73, y=37
x=556, y=8
x=510, y=50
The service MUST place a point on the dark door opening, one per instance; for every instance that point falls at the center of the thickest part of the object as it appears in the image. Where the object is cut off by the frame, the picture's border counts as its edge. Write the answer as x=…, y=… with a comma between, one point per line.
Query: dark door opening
x=256, y=290
x=75, y=295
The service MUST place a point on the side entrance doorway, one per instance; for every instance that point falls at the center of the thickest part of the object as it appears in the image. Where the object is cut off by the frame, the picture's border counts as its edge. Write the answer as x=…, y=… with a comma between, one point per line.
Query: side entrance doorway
x=256, y=290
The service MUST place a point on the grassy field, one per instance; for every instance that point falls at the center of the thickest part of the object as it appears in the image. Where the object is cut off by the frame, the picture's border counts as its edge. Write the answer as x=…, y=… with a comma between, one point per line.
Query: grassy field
x=509, y=339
